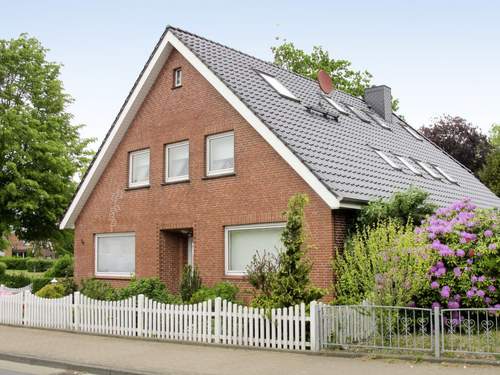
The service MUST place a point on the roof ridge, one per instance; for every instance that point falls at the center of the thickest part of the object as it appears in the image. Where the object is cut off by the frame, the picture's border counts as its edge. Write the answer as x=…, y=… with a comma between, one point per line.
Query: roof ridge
x=255, y=58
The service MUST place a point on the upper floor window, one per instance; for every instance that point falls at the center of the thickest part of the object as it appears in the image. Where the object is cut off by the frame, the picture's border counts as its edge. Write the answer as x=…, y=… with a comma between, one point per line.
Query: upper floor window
x=177, y=162
x=138, y=168
x=278, y=86
x=178, y=77
x=220, y=154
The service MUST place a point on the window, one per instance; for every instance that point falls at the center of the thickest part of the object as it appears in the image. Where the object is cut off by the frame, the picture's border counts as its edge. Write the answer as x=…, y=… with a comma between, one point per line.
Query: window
x=115, y=254
x=177, y=162
x=387, y=159
x=410, y=165
x=413, y=132
x=243, y=242
x=379, y=121
x=278, y=86
x=446, y=175
x=220, y=154
x=139, y=168
x=361, y=115
x=336, y=105
x=428, y=168
x=178, y=77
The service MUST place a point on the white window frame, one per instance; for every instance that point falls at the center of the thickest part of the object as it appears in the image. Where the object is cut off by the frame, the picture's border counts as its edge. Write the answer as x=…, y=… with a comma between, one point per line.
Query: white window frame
x=359, y=113
x=429, y=169
x=336, y=105
x=167, y=148
x=278, y=86
x=218, y=172
x=387, y=159
x=178, y=77
x=228, y=229
x=131, y=168
x=409, y=165
x=378, y=120
x=112, y=274
x=446, y=175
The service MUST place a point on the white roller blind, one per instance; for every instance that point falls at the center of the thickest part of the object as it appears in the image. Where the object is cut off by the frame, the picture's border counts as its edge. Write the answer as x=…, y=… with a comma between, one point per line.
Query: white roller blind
x=178, y=161
x=221, y=153
x=244, y=243
x=115, y=254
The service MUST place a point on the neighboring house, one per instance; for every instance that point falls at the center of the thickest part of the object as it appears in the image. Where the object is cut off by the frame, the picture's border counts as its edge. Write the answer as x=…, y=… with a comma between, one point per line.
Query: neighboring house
x=209, y=146
x=16, y=247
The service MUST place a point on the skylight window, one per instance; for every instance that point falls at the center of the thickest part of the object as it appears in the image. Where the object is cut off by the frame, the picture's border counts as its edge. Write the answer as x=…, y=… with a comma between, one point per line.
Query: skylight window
x=336, y=105
x=413, y=132
x=428, y=168
x=410, y=165
x=379, y=121
x=278, y=86
x=360, y=114
x=387, y=159
x=446, y=175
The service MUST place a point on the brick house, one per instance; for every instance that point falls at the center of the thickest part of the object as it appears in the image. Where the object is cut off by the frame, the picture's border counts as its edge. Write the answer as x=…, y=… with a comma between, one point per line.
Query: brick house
x=208, y=147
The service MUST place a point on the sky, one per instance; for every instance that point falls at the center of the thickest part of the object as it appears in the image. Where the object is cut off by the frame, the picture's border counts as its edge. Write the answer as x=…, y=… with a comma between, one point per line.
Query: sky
x=439, y=57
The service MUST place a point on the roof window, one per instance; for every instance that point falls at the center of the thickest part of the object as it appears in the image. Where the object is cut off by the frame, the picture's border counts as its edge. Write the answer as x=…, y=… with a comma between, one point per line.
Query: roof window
x=378, y=120
x=338, y=107
x=412, y=167
x=360, y=114
x=446, y=175
x=413, y=132
x=278, y=86
x=429, y=169
x=387, y=159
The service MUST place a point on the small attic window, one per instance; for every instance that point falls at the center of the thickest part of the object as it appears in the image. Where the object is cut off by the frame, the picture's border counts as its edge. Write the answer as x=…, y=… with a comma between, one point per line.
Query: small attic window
x=278, y=86
x=446, y=175
x=429, y=169
x=338, y=107
x=360, y=114
x=387, y=159
x=177, y=77
x=410, y=165
x=413, y=132
x=378, y=120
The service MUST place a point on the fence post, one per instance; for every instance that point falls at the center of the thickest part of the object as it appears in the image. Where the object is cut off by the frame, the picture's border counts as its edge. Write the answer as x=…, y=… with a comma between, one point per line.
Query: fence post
x=76, y=309
x=24, y=308
x=314, y=326
x=140, y=314
x=217, y=306
x=437, y=331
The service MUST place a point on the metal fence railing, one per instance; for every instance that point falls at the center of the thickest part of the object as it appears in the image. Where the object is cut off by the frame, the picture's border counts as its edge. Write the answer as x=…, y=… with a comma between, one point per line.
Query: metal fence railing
x=407, y=329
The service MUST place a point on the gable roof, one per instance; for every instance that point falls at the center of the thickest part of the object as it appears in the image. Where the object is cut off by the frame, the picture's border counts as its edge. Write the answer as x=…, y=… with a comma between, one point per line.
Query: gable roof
x=336, y=158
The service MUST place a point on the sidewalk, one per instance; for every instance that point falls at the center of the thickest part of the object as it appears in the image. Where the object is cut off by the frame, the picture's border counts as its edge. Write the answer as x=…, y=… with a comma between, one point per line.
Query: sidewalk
x=151, y=357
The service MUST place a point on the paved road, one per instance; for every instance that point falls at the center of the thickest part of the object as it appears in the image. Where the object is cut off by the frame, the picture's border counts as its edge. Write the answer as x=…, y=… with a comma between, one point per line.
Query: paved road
x=154, y=357
x=13, y=368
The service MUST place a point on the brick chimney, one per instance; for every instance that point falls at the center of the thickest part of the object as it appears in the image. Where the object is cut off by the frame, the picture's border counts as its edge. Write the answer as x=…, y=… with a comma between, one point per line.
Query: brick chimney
x=379, y=98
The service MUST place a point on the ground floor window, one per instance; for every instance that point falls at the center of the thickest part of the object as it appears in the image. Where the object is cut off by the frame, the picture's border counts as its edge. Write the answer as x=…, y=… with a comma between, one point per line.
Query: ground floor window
x=115, y=254
x=244, y=241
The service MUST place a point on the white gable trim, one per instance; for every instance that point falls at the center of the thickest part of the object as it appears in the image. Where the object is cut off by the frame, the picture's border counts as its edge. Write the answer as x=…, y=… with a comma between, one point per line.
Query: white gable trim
x=133, y=104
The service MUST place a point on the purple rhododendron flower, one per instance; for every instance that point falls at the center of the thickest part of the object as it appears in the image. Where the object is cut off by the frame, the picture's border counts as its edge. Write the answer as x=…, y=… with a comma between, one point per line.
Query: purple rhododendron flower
x=480, y=293
x=470, y=293
x=453, y=304
x=481, y=279
x=434, y=285
x=440, y=272
x=470, y=261
x=460, y=253
x=466, y=237
x=457, y=271
x=445, y=292
x=492, y=289
x=473, y=279
x=437, y=304
x=492, y=246
x=488, y=233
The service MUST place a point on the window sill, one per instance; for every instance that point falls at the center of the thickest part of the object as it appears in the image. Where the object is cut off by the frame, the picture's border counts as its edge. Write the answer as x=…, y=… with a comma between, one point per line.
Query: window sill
x=231, y=174
x=235, y=277
x=176, y=182
x=176, y=87
x=137, y=187
x=113, y=277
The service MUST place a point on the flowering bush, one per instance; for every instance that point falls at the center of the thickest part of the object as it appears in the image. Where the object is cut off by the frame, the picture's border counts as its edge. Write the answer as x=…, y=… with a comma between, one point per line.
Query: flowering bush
x=464, y=245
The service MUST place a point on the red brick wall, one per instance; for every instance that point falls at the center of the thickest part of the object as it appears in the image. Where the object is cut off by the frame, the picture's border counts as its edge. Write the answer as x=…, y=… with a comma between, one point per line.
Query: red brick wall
x=258, y=192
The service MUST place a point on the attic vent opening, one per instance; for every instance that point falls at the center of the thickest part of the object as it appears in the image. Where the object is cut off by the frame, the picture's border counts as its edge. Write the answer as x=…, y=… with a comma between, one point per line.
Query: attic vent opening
x=278, y=86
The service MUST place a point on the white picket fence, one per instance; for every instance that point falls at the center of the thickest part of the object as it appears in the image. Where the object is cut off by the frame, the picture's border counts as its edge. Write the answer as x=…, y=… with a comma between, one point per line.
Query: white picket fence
x=213, y=322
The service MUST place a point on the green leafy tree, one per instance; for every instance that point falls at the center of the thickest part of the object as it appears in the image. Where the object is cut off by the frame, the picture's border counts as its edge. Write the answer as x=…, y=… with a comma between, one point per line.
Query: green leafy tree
x=410, y=206
x=41, y=151
x=460, y=139
x=290, y=283
x=306, y=64
x=495, y=135
x=490, y=174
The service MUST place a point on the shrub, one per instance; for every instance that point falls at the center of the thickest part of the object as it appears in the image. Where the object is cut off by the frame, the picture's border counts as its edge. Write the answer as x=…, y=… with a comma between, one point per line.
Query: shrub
x=52, y=291
x=151, y=287
x=15, y=280
x=39, y=283
x=190, y=282
x=98, y=289
x=62, y=267
x=261, y=272
x=290, y=284
x=383, y=265
x=38, y=264
x=464, y=243
x=14, y=263
x=3, y=267
x=406, y=206
x=224, y=290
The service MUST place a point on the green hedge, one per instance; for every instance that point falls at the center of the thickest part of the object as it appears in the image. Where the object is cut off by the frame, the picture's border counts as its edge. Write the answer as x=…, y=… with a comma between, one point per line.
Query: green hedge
x=38, y=264
x=14, y=263
x=3, y=267
x=62, y=267
x=39, y=283
x=15, y=281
